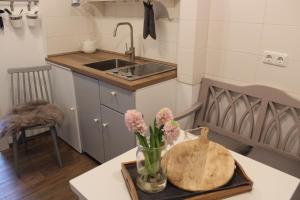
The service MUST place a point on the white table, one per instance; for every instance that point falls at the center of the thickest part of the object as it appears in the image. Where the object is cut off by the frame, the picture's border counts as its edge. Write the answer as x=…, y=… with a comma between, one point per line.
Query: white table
x=106, y=181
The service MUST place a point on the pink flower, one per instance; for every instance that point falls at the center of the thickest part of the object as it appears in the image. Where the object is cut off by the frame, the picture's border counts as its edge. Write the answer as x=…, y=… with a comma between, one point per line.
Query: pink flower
x=135, y=122
x=164, y=115
x=172, y=131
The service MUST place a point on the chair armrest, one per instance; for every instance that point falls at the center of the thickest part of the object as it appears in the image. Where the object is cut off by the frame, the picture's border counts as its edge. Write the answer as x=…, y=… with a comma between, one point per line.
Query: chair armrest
x=197, y=106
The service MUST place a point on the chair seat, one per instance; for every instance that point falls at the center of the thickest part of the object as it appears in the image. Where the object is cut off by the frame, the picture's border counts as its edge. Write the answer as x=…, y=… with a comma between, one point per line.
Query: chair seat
x=230, y=143
x=30, y=115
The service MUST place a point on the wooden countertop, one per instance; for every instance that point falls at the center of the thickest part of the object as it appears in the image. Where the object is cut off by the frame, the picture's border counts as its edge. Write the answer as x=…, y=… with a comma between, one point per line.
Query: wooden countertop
x=76, y=61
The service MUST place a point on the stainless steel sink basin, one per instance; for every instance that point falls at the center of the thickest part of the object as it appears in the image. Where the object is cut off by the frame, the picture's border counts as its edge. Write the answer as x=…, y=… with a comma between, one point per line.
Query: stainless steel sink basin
x=109, y=64
x=139, y=71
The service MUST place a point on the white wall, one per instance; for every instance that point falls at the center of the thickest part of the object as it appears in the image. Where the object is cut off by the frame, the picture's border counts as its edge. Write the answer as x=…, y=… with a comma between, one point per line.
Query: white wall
x=239, y=32
x=109, y=14
x=19, y=48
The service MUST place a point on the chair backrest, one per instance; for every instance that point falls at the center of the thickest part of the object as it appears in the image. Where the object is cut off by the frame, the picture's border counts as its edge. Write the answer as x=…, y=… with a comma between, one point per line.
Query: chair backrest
x=30, y=84
x=255, y=115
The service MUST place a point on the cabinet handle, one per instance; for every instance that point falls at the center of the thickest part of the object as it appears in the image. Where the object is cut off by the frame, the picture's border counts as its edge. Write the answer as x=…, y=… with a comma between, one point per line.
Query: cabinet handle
x=113, y=93
x=96, y=120
x=72, y=109
x=104, y=125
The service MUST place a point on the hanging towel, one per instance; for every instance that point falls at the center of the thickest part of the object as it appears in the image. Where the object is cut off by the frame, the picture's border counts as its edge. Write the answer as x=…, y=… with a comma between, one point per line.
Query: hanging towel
x=149, y=20
x=1, y=24
x=1, y=21
x=146, y=20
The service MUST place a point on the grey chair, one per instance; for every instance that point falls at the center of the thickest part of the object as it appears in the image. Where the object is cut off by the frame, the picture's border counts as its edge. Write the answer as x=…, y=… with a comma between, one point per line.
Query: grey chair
x=27, y=85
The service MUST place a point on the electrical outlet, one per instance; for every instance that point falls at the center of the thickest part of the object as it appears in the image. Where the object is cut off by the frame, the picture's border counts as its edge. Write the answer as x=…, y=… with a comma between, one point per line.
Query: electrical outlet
x=275, y=58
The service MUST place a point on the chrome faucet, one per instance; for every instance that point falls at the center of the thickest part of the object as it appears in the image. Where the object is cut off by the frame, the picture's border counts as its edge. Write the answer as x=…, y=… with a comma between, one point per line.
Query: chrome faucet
x=131, y=51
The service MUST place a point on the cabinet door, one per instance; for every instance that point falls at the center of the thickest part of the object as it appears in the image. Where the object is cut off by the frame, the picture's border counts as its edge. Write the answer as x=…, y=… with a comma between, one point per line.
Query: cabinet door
x=64, y=98
x=117, y=139
x=88, y=105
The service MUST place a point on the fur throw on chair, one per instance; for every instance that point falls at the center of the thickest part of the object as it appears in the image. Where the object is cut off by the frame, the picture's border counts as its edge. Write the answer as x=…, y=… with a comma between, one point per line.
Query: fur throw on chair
x=32, y=114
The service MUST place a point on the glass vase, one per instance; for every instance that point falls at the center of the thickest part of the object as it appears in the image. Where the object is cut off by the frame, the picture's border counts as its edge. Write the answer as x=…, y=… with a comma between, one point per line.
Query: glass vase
x=151, y=177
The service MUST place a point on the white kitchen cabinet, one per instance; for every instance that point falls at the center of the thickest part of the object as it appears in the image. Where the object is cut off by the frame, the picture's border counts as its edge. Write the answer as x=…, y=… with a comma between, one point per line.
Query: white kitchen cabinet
x=64, y=98
x=94, y=111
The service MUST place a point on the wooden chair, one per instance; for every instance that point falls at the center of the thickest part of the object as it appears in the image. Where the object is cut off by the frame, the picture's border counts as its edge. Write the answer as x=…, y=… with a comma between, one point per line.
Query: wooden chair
x=27, y=85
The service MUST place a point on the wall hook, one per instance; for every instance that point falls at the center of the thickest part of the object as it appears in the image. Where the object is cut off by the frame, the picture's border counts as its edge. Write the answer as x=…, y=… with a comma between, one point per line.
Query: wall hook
x=12, y=5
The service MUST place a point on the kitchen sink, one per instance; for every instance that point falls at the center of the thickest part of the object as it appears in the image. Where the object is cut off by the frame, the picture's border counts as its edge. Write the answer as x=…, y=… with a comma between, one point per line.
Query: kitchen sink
x=109, y=64
x=139, y=71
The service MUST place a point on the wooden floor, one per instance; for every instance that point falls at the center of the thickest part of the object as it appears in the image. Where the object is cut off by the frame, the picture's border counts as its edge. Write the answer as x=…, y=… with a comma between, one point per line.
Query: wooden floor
x=40, y=177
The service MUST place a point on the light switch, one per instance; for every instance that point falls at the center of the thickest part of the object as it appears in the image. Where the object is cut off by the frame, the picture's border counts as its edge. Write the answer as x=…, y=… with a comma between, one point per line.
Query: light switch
x=275, y=58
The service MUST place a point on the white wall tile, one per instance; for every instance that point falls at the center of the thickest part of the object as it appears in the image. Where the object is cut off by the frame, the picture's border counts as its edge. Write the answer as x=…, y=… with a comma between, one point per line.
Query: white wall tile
x=189, y=9
x=199, y=65
x=166, y=30
x=239, y=32
x=110, y=10
x=127, y=10
x=65, y=27
x=232, y=65
x=117, y=44
x=105, y=25
x=186, y=62
x=63, y=44
x=203, y=10
x=158, y=50
x=238, y=10
x=187, y=34
x=201, y=34
x=242, y=37
x=280, y=38
x=187, y=95
x=283, y=12
x=240, y=66
x=51, y=8
x=284, y=78
x=214, y=61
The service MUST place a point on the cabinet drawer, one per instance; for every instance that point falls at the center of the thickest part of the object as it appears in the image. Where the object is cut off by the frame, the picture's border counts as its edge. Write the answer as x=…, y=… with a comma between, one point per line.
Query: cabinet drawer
x=116, y=98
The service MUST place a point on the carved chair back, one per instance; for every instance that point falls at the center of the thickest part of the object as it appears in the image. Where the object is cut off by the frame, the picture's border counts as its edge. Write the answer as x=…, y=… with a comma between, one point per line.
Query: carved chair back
x=254, y=115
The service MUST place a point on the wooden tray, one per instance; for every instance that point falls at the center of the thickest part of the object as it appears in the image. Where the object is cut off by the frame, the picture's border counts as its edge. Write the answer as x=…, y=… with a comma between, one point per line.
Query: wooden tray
x=240, y=183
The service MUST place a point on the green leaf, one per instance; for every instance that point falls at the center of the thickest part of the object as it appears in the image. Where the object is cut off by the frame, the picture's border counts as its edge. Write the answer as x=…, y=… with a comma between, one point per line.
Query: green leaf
x=142, y=140
x=151, y=130
x=152, y=137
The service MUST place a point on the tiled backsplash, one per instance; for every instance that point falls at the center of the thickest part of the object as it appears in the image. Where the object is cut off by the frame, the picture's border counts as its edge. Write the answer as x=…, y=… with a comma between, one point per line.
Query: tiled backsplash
x=164, y=48
x=65, y=27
